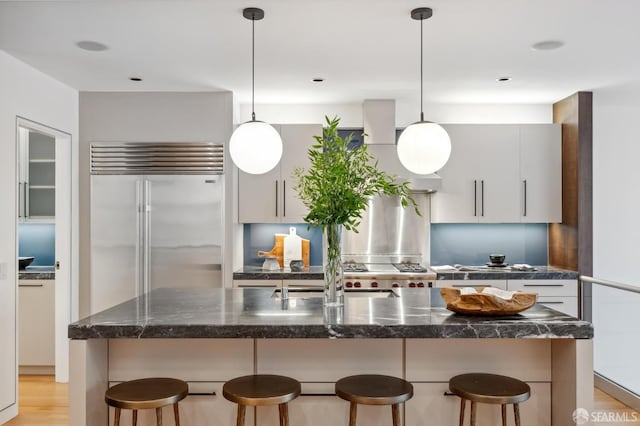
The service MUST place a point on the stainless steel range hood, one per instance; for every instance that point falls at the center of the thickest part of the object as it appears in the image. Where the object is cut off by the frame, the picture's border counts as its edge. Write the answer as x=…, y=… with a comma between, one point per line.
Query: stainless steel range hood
x=379, y=121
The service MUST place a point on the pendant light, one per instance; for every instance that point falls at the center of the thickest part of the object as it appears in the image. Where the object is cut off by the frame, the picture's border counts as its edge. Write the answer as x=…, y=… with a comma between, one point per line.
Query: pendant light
x=423, y=147
x=255, y=146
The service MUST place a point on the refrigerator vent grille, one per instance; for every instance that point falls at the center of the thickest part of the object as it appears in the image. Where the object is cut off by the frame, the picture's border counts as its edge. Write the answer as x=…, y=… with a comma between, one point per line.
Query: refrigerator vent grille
x=134, y=158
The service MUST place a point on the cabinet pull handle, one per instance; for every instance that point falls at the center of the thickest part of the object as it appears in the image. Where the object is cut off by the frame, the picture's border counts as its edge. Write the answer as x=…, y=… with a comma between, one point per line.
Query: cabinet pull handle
x=26, y=199
x=551, y=303
x=475, y=198
x=30, y=285
x=20, y=200
x=202, y=393
x=317, y=394
x=482, y=197
x=469, y=285
x=543, y=285
x=276, y=198
x=284, y=198
x=525, y=197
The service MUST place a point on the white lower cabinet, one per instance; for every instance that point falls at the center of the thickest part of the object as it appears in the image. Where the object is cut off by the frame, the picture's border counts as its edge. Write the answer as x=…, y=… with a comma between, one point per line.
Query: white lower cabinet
x=209, y=409
x=501, y=284
x=36, y=322
x=561, y=295
x=432, y=401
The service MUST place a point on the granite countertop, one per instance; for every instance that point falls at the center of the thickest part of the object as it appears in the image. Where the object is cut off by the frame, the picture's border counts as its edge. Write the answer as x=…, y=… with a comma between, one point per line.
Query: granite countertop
x=254, y=313
x=248, y=272
x=37, y=273
x=487, y=273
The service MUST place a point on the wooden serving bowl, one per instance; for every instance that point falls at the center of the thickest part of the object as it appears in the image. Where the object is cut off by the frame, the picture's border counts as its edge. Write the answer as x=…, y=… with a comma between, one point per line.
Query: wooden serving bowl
x=486, y=304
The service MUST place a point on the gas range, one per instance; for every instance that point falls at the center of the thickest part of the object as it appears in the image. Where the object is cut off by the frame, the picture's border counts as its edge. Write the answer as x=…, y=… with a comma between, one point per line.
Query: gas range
x=387, y=275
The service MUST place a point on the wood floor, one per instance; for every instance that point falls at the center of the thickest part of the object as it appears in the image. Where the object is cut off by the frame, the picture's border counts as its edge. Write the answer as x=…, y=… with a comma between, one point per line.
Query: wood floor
x=44, y=402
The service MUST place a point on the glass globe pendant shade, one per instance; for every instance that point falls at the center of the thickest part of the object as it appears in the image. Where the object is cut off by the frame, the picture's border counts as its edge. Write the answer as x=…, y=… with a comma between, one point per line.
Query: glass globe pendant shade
x=255, y=147
x=424, y=147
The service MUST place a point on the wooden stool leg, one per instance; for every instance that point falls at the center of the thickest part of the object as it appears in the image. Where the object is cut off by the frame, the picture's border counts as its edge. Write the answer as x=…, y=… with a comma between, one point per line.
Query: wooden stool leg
x=176, y=414
x=473, y=413
x=516, y=412
x=353, y=413
x=159, y=416
x=116, y=418
x=463, y=402
x=395, y=414
x=134, y=418
x=504, y=414
x=284, y=414
x=240, y=419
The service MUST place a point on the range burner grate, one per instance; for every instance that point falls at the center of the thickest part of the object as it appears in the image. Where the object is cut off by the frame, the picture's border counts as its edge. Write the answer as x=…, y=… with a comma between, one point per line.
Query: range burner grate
x=354, y=267
x=410, y=267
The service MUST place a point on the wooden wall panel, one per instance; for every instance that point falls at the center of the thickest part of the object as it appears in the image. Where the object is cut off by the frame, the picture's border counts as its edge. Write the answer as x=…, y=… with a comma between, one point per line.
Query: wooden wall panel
x=571, y=242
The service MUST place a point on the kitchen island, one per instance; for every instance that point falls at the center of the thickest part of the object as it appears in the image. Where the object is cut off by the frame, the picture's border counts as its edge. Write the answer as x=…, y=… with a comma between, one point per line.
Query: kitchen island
x=208, y=336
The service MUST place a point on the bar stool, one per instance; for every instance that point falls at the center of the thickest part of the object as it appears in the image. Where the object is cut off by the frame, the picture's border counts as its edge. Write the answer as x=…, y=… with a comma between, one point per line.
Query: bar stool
x=374, y=389
x=144, y=394
x=262, y=389
x=489, y=389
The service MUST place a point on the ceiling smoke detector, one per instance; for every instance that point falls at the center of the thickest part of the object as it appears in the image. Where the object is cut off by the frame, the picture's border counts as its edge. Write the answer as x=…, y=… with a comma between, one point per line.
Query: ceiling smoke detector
x=92, y=46
x=547, y=45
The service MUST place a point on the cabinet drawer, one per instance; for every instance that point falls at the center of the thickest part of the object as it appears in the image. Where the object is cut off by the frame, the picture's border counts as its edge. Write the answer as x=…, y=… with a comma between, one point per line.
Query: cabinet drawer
x=501, y=284
x=304, y=283
x=566, y=305
x=211, y=408
x=328, y=360
x=437, y=360
x=546, y=287
x=207, y=360
x=431, y=405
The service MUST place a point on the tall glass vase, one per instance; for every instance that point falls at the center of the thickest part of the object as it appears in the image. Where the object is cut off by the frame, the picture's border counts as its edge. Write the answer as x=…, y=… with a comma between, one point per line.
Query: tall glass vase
x=333, y=277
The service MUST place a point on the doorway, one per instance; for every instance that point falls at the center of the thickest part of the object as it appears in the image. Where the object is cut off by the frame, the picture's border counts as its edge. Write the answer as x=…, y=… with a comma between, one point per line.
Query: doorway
x=44, y=249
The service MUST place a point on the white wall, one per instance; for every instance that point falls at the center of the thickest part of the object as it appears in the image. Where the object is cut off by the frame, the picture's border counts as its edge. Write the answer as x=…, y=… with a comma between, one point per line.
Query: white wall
x=616, y=232
x=351, y=114
x=27, y=93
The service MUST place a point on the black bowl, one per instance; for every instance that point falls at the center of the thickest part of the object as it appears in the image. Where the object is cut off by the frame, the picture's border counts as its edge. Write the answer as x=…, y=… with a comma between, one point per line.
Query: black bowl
x=23, y=262
x=497, y=259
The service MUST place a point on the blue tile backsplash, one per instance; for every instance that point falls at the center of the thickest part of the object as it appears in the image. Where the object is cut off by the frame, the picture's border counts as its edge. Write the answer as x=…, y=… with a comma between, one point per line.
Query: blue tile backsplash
x=471, y=244
x=260, y=236
x=37, y=240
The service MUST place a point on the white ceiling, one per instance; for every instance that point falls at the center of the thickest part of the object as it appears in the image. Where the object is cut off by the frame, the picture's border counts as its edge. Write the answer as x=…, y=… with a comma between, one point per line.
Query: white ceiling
x=364, y=48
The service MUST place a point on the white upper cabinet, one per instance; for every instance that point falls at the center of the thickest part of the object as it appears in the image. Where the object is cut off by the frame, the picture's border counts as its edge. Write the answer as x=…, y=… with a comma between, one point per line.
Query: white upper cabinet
x=37, y=176
x=271, y=197
x=500, y=174
x=541, y=172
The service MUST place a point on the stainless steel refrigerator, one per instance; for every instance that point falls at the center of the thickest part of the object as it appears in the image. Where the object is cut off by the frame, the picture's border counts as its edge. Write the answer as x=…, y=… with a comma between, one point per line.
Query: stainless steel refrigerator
x=156, y=218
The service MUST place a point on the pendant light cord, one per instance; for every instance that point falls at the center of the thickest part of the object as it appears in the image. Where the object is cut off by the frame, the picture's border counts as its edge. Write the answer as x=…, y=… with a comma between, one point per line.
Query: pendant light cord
x=253, y=69
x=421, y=72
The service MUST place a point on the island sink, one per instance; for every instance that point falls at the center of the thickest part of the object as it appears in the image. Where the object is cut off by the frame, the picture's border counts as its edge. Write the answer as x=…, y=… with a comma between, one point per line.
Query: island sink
x=308, y=293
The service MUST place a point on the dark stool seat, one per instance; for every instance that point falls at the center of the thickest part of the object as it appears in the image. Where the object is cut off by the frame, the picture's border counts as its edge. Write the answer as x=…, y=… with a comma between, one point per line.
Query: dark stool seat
x=145, y=394
x=374, y=389
x=489, y=389
x=262, y=389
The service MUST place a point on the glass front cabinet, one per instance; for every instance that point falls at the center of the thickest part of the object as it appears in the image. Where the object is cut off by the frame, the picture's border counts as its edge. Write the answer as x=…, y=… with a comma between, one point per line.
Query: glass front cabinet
x=37, y=176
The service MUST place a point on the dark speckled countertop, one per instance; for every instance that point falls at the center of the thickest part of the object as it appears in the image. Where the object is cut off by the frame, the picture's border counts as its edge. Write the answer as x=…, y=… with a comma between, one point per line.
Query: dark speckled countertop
x=487, y=273
x=37, y=273
x=254, y=313
x=256, y=273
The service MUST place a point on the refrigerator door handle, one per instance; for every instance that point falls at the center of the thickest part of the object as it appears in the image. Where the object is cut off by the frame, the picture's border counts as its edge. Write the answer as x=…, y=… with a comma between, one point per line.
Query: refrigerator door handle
x=139, y=237
x=147, y=236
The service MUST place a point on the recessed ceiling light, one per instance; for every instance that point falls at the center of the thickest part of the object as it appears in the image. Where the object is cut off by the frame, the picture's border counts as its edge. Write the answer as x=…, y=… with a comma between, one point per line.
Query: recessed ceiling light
x=92, y=46
x=317, y=79
x=135, y=78
x=547, y=45
x=503, y=79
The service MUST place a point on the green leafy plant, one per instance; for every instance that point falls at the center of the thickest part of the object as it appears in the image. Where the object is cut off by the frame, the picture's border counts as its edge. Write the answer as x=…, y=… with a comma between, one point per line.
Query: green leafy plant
x=337, y=185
